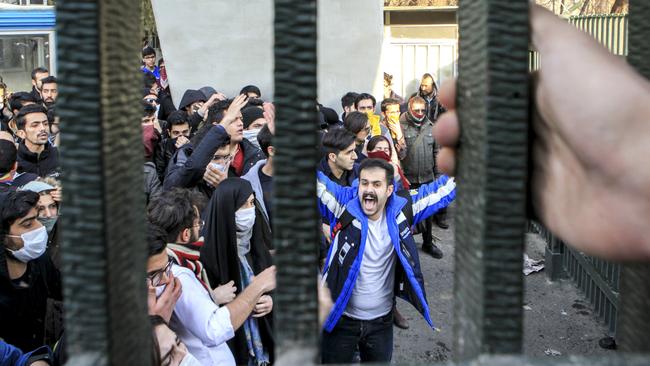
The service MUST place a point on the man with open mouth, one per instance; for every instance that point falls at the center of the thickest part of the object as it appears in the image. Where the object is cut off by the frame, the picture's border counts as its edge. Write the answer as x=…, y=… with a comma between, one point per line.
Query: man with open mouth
x=373, y=258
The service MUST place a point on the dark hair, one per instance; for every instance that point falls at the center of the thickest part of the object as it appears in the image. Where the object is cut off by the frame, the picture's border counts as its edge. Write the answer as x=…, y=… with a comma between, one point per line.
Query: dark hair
x=162, y=60
x=148, y=51
x=17, y=99
x=156, y=239
x=372, y=163
x=364, y=96
x=147, y=109
x=337, y=140
x=176, y=118
x=16, y=205
x=355, y=122
x=251, y=89
x=148, y=80
x=39, y=70
x=265, y=138
x=217, y=110
x=7, y=156
x=28, y=109
x=51, y=113
x=156, y=357
x=348, y=99
x=172, y=212
x=49, y=80
x=372, y=143
x=388, y=101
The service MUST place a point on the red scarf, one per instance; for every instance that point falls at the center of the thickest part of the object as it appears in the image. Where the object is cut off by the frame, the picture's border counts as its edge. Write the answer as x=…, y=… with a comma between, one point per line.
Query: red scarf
x=382, y=155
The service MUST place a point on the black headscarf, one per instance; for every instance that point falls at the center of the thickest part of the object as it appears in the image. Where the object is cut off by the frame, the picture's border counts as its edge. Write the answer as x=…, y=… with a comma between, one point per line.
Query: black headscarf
x=221, y=261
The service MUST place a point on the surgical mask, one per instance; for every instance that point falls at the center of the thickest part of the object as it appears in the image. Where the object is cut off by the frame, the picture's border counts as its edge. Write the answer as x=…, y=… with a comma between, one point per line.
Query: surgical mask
x=245, y=219
x=48, y=222
x=189, y=360
x=251, y=136
x=34, y=244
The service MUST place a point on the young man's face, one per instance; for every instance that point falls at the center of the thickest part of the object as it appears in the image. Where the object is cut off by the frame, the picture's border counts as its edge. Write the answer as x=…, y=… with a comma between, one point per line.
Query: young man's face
x=392, y=112
x=46, y=207
x=156, y=269
x=36, y=129
x=177, y=131
x=361, y=136
x=365, y=106
x=345, y=159
x=349, y=108
x=427, y=86
x=222, y=157
x=194, y=107
x=257, y=124
x=22, y=225
x=373, y=191
x=149, y=61
x=37, y=79
x=171, y=349
x=236, y=130
x=49, y=92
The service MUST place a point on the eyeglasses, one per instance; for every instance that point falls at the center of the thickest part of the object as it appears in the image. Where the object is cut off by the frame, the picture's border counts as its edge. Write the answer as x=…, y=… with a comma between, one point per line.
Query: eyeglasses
x=200, y=224
x=157, y=277
x=151, y=100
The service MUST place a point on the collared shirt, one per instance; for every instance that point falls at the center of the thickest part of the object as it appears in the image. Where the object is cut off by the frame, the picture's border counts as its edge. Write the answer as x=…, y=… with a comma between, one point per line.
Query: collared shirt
x=201, y=324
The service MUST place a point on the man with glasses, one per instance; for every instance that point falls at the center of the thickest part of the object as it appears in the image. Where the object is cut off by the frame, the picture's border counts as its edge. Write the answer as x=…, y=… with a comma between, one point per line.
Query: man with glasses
x=201, y=324
x=35, y=153
x=418, y=157
x=149, y=62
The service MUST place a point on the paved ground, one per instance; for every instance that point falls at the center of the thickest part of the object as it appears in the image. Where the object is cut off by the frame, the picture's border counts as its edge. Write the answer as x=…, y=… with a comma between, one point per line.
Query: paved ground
x=556, y=316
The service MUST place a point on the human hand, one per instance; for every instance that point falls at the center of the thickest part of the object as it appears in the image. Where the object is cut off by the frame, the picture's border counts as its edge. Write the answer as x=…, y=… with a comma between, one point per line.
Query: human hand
x=164, y=305
x=269, y=116
x=587, y=187
x=213, y=175
x=325, y=303
x=326, y=233
x=233, y=112
x=180, y=141
x=224, y=293
x=266, y=280
x=57, y=194
x=39, y=363
x=263, y=307
x=213, y=99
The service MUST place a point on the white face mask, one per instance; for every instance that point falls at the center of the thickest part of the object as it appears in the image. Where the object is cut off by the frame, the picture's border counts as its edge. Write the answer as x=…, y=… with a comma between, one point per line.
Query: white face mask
x=251, y=136
x=189, y=360
x=35, y=242
x=245, y=219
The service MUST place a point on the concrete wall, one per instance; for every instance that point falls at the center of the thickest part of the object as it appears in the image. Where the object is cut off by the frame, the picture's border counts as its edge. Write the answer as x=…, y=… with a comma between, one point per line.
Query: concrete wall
x=228, y=44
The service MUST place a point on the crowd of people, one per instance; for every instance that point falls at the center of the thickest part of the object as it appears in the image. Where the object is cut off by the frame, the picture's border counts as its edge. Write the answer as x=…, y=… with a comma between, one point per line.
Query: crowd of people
x=209, y=191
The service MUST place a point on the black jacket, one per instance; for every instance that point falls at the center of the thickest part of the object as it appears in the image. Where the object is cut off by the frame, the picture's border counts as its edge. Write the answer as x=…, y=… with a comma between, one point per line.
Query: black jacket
x=44, y=164
x=166, y=105
x=165, y=149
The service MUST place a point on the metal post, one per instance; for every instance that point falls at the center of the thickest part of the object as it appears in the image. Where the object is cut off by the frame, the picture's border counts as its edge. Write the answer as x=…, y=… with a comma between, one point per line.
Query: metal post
x=492, y=174
x=633, y=328
x=296, y=222
x=102, y=240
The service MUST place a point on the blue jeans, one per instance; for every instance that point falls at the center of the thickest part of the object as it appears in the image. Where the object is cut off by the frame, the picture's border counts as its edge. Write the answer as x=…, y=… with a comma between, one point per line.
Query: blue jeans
x=373, y=338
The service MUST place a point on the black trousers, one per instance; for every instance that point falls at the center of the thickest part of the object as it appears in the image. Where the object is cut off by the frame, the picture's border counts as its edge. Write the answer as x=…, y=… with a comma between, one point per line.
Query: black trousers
x=373, y=338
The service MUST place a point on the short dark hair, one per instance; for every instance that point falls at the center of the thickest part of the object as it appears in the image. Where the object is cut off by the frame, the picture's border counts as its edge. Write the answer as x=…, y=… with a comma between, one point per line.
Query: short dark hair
x=372, y=163
x=251, y=89
x=217, y=110
x=39, y=70
x=28, y=109
x=173, y=212
x=8, y=155
x=156, y=239
x=337, y=140
x=16, y=205
x=147, y=109
x=355, y=122
x=156, y=320
x=388, y=101
x=17, y=99
x=176, y=118
x=364, y=96
x=148, y=80
x=49, y=80
x=348, y=99
x=265, y=139
x=148, y=51
x=372, y=143
x=161, y=61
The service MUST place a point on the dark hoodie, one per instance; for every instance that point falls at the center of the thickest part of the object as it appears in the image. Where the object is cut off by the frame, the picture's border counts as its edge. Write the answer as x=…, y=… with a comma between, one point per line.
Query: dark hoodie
x=44, y=164
x=192, y=96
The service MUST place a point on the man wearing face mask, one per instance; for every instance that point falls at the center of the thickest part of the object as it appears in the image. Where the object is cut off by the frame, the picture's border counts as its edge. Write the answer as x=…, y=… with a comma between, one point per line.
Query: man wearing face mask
x=27, y=277
x=253, y=119
x=418, y=157
x=48, y=213
x=373, y=258
x=177, y=133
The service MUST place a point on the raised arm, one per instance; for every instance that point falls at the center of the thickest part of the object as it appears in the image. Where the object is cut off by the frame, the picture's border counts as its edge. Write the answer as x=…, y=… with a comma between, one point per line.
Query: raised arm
x=332, y=197
x=432, y=197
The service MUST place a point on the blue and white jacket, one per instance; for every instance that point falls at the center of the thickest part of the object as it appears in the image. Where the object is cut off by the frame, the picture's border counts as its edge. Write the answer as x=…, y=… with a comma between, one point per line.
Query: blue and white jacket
x=342, y=208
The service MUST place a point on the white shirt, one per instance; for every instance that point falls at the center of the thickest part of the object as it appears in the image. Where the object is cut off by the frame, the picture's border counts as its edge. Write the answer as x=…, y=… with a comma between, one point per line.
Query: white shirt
x=372, y=296
x=201, y=324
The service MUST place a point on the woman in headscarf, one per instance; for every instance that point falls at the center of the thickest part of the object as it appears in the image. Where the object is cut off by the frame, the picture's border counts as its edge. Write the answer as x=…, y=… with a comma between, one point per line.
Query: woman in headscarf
x=234, y=250
x=379, y=147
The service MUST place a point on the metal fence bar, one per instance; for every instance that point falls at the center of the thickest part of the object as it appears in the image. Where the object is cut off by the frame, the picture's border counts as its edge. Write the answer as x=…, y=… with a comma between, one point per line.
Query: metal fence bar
x=103, y=250
x=295, y=224
x=634, y=314
x=493, y=111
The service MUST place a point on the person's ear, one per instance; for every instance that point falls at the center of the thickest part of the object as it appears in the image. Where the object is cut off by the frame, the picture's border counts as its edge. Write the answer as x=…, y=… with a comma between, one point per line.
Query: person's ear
x=271, y=151
x=331, y=157
x=186, y=234
x=391, y=188
x=21, y=134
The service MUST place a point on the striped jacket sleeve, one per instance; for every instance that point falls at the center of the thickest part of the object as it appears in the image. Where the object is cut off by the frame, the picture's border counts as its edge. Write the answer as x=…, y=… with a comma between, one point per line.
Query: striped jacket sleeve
x=431, y=198
x=332, y=197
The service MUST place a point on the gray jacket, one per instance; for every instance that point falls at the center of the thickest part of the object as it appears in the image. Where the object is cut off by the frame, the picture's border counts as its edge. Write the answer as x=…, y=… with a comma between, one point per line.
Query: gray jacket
x=419, y=156
x=253, y=177
x=152, y=187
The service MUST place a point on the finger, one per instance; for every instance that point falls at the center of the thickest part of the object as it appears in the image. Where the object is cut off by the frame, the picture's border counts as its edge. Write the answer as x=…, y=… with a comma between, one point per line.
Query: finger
x=448, y=94
x=446, y=160
x=447, y=130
